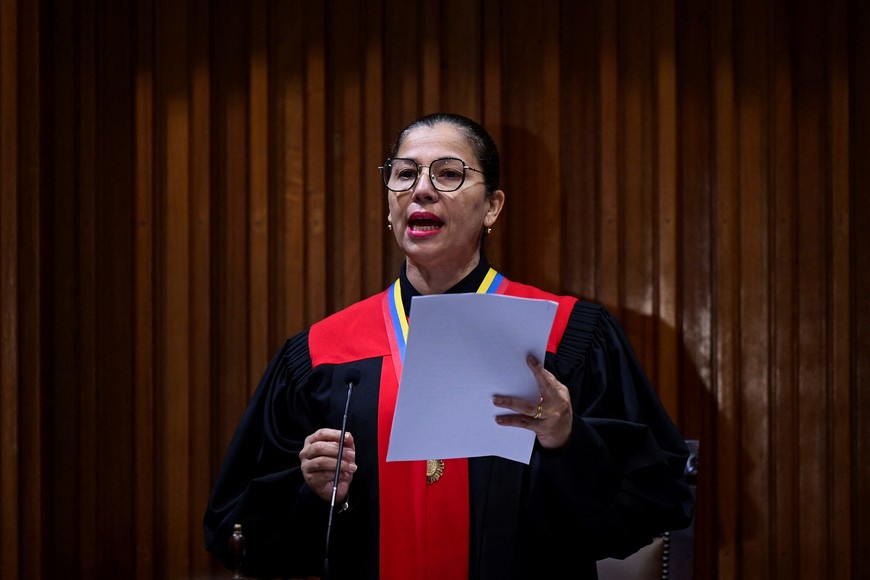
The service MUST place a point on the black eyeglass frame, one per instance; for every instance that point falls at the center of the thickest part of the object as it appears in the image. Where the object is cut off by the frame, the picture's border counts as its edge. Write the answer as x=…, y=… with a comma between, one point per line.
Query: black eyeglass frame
x=432, y=180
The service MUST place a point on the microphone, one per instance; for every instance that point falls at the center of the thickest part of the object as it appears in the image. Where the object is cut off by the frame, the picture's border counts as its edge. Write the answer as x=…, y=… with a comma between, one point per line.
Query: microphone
x=351, y=378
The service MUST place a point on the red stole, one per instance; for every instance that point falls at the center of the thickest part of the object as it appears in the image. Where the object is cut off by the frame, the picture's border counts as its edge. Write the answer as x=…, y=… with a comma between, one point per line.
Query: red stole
x=424, y=528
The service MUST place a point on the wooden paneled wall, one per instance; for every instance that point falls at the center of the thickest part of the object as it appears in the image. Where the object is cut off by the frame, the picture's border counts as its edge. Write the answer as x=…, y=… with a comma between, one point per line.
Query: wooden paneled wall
x=185, y=184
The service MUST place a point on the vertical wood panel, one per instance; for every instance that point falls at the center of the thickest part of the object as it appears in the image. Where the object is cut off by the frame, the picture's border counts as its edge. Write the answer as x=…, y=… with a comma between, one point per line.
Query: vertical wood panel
x=529, y=146
x=461, y=58
x=785, y=506
x=84, y=187
x=32, y=365
x=173, y=400
x=372, y=142
x=64, y=388
x=289, y=114
x=579, y=143
x=636, y=172
x=696, y=126
x=838, y=364
x=113, y=216
x=752, y=264
x=813, y=275
x=403, y=67
x=231, y=202
x=859, y=239
x=10, y=308
x=144, y=298
x=186, y=185
x=202, y=377
x=725, y=332
x=698, y=144
x=346, y=172
x=259, y=253
x=608, y=243
x=429, y=66
x=665, y=168
x=317, y=287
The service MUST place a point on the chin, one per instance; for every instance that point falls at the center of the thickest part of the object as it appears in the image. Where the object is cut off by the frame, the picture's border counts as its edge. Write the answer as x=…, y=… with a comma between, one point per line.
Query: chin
x=422, y=253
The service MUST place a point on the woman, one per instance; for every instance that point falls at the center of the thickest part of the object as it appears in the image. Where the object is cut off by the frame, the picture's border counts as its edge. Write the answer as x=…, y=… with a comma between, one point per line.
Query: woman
x=606, y=472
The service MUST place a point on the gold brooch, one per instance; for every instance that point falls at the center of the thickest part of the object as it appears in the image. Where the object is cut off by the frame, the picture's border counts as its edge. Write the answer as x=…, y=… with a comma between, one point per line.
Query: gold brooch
x=434, y=469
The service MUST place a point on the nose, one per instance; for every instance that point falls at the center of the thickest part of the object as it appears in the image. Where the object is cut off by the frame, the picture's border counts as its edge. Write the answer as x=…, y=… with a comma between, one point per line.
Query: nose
x=424, y=189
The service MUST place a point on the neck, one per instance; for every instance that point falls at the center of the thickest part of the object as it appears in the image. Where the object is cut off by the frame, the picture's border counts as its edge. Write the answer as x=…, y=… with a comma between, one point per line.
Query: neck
x=436, y=280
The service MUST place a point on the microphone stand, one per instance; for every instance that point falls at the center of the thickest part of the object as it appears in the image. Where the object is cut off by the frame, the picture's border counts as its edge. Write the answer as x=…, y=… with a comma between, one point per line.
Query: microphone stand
x=350, y=382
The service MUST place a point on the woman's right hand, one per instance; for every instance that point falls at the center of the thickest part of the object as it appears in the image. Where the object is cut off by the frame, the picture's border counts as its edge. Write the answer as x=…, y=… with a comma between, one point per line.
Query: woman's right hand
x=318, y=457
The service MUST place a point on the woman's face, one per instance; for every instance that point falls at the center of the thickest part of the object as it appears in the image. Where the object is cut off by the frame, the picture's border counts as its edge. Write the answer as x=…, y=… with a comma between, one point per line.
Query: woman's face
x=437, y=229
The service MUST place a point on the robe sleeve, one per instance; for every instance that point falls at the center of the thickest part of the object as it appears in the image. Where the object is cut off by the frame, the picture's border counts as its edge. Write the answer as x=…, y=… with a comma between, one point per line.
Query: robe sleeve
x=260, y=483
x=620, y=481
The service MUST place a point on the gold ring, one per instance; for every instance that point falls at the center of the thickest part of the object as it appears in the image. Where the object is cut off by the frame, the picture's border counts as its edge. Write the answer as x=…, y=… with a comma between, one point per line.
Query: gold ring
x=540, y=411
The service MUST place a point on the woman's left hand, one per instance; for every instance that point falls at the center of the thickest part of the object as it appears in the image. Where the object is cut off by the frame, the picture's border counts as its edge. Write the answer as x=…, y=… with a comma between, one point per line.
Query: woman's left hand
x=551, y=417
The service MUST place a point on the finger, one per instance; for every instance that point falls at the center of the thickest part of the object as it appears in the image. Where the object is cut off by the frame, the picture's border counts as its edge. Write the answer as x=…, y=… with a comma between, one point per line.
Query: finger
x=318, y=449
x=544, y=377
x=329, y=435
x=320, y=436
x=322, y=470
x=324, y=440
x=519, y=420
x=522, y=407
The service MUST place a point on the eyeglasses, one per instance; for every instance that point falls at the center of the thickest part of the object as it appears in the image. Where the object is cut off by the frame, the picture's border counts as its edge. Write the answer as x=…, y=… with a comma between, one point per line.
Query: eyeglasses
x=446, y=174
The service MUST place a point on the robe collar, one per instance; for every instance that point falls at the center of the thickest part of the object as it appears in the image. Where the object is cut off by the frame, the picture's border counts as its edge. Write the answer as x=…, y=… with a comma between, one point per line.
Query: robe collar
x=468, y=284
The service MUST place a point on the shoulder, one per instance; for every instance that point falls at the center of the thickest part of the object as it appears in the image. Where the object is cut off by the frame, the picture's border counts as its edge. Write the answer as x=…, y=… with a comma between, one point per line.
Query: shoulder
x=593, y=333
x=526, y=291
x=583, y=314
x=352, y=333
x=579, y=324
x=371, y=306
x=563, y=313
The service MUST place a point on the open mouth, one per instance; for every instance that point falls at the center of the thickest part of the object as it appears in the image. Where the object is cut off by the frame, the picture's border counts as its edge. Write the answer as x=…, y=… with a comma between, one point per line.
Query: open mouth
x=421, y=222
x=425, y=225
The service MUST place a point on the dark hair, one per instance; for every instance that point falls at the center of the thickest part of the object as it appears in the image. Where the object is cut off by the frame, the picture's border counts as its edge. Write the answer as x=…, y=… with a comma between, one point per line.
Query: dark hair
x=481, y=143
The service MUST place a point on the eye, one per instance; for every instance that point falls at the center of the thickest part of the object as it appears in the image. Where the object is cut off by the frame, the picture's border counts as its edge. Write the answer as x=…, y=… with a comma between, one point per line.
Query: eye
x=405, y=173
x=449, y=174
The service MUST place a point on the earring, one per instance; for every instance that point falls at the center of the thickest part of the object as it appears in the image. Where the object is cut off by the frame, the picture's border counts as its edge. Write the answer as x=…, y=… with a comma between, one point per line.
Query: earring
x=389, y=226
x=488, y=231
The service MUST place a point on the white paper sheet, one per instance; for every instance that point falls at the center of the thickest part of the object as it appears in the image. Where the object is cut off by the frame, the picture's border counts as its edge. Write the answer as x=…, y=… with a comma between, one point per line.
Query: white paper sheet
x=462, y=349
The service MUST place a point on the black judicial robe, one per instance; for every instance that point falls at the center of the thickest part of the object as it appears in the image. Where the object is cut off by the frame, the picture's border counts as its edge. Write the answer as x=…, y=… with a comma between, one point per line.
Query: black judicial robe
x=616, y=484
